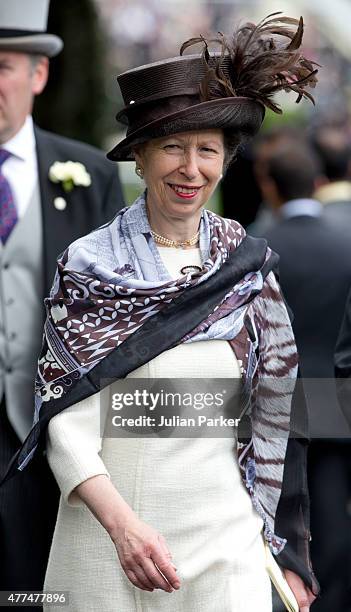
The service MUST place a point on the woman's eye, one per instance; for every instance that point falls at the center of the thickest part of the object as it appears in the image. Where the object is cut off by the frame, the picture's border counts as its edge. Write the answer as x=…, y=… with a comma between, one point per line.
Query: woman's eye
x=172, y=147
x=5, y=67
x=209, y=150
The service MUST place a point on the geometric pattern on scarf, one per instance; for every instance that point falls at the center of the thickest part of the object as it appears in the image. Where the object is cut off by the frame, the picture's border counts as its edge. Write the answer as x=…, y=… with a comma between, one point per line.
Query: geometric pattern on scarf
x=90, y=314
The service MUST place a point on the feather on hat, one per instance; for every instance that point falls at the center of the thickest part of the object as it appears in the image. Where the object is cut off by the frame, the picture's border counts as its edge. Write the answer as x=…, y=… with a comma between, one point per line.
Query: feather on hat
x=229, y=89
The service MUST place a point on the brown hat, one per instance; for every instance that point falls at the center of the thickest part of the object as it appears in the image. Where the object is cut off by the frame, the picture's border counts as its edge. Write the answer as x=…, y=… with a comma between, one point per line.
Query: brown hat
x=227, y=90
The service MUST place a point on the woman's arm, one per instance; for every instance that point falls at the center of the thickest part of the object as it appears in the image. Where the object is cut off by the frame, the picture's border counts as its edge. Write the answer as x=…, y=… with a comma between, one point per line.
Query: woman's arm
x=292, y=517
x=278, y=359
x=73, y=447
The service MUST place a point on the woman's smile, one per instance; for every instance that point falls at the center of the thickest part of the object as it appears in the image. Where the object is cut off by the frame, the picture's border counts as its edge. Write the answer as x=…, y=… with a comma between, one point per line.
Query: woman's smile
x=185, y=192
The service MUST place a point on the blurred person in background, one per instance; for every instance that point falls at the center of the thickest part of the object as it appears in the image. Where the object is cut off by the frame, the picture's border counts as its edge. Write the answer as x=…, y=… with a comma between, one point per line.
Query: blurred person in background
x=187, y=277
x=43, y=207
x=333, y=147
x=262, y=148
x=315, y=276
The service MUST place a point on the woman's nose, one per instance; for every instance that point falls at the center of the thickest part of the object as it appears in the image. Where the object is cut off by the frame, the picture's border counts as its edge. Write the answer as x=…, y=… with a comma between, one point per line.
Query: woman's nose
x=189, y=165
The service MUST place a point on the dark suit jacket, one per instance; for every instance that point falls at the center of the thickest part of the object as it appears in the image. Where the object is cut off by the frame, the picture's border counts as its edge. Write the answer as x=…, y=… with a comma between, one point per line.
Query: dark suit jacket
x=343, y=362
x=87, y=207
x=339, y=213
x=315, y=276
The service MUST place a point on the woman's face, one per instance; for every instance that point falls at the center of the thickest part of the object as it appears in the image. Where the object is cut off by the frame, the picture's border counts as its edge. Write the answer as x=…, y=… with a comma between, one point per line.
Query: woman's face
x=181, y=171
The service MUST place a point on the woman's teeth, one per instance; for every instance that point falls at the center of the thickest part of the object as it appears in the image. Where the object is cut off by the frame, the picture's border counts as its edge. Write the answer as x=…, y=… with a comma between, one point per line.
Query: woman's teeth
x=185, y=190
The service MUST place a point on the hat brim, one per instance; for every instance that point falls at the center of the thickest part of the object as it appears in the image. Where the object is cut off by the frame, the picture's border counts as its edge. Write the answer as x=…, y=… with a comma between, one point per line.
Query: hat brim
x=41, y=44
x=244, y=115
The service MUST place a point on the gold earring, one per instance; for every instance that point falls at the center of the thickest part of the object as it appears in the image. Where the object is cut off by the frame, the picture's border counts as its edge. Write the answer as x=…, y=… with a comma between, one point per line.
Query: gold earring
x=139, y=171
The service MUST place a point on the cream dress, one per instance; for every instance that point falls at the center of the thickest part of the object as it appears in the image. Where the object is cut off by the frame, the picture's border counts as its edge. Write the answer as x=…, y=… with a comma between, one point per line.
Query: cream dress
x=188, y=489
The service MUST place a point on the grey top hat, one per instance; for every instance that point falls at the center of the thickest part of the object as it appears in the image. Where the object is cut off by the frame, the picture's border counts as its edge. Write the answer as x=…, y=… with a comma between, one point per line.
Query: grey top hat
x=23, y=27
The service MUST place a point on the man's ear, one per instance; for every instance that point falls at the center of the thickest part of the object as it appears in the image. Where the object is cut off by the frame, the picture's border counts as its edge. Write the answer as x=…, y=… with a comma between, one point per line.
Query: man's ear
x=40, y=75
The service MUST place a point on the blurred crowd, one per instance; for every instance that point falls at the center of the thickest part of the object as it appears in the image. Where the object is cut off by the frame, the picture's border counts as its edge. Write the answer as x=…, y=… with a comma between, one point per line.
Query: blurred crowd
x=303, y=180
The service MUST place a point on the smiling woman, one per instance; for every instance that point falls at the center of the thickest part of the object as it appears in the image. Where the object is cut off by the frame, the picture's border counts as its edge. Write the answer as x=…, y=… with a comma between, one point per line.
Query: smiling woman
x=170, y=290
x=181, y=172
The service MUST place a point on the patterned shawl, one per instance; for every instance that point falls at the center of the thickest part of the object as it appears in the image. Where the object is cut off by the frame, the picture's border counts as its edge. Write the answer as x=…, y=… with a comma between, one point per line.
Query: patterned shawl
x=106, y=316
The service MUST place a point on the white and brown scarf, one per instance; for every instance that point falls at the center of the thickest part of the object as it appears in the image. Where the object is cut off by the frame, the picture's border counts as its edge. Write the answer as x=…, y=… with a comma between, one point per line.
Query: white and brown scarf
x=113, y=307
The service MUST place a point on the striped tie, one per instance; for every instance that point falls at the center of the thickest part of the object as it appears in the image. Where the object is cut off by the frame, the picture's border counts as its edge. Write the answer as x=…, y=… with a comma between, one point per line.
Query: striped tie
x=8, y=212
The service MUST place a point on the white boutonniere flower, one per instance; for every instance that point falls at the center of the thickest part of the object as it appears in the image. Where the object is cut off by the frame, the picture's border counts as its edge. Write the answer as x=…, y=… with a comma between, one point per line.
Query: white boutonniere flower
x=70, y=174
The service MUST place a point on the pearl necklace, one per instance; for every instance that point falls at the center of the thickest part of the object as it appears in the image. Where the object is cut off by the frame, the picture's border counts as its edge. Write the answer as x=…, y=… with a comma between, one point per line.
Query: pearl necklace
x=178, y=244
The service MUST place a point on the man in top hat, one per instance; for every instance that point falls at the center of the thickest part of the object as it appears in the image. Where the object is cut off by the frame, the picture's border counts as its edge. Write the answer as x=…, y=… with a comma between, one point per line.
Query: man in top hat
x=43, y=208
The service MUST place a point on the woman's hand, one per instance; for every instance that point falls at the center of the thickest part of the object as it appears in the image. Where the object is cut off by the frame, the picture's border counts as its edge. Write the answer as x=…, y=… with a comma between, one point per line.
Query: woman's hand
x=144, y=556
x=303, y=594
x=142, y=551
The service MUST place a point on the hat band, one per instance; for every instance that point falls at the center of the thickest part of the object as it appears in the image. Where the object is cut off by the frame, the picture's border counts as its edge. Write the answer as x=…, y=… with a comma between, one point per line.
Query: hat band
x=140, y=116
x=7, y=33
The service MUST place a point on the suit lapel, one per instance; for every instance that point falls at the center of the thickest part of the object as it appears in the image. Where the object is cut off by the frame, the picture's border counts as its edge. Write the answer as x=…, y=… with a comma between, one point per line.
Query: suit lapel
x=58, y=225
x=46, y=156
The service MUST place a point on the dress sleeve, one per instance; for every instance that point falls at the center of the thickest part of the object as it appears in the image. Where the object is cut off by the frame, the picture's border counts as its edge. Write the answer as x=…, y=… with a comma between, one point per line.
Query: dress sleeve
x=73, y=446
